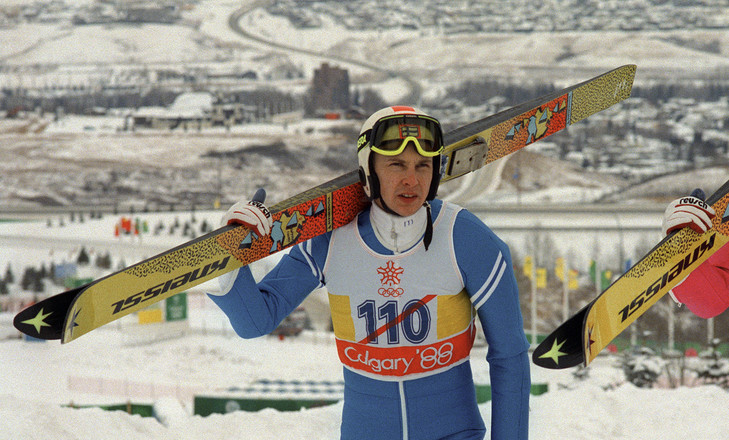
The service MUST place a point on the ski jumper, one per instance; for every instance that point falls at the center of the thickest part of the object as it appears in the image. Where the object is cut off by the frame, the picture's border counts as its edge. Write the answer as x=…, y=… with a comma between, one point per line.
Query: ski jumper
x=405, y=324
x=706, y=290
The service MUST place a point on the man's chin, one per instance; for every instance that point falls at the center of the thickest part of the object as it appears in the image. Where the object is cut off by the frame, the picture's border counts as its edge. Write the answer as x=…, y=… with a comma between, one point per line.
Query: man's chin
x=407, y=206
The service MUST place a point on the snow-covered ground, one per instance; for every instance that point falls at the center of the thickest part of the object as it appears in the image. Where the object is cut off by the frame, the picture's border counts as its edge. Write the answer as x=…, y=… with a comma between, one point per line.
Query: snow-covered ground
x=36, y=378
x=166, y=366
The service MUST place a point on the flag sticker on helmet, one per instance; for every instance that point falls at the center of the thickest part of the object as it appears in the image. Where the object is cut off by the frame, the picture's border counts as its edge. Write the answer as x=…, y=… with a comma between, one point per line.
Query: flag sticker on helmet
x=403, y=131
x=417, y=131
x=409, y=130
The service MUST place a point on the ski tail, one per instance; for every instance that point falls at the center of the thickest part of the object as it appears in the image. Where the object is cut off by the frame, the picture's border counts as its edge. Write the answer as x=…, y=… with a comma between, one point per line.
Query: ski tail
x=44, y=320
x=561, y=349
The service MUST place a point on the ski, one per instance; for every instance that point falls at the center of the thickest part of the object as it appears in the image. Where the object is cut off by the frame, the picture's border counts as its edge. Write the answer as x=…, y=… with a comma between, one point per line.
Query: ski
x=581, y=338
x=313, y=212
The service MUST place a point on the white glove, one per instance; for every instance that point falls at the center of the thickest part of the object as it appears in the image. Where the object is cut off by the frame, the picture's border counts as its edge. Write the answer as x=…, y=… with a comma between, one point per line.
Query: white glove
x=252, y=214
x=688, y=211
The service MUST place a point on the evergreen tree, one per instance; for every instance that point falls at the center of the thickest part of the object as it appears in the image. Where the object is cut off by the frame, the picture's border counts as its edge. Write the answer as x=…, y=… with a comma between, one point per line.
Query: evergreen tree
x=9, y=276
x=28, y=278
x=205, y=227
x=103, y=261
x=83, y=257
x=37, y=285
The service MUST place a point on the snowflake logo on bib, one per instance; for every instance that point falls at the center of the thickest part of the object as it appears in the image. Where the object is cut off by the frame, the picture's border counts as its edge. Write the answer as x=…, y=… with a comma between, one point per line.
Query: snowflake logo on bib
x=390, y=279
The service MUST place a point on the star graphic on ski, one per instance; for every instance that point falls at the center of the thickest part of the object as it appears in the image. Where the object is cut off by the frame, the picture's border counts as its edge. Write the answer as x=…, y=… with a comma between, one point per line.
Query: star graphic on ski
x=589, y=340
x=554, y=353
x=39, y=321
x=72, y=322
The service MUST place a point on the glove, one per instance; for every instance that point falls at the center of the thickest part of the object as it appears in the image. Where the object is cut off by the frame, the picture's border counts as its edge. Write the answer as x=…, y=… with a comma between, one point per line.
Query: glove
x=689, y=211
x=252, y=214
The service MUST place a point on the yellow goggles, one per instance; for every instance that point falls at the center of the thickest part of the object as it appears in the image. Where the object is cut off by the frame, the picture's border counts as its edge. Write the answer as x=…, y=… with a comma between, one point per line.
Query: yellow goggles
x=390, y=136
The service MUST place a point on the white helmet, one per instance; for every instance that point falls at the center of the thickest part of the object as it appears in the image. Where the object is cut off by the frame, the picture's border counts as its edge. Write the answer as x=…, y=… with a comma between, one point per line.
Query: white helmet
x=388, y=132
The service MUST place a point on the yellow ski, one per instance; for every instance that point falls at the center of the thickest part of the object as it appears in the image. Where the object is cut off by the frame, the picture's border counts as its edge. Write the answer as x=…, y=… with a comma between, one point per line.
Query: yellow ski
x=581, y=338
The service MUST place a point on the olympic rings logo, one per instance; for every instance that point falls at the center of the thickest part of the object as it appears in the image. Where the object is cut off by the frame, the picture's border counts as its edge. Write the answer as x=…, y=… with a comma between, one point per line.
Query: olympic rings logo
x=390, y=292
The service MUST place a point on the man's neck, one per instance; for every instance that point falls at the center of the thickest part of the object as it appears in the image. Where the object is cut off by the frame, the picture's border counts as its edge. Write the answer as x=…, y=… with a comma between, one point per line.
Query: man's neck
x=395, y=232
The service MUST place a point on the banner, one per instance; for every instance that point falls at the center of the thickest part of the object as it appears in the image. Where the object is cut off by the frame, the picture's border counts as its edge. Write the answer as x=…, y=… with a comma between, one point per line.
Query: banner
x=606, y=279
x=176, y=307
x=572, y=282
x=528, y=266
x=593, y=271
x=559, y=268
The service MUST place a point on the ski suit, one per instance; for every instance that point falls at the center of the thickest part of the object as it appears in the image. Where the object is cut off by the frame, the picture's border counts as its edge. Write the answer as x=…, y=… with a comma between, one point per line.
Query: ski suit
x=706, y=290
x=404, y=325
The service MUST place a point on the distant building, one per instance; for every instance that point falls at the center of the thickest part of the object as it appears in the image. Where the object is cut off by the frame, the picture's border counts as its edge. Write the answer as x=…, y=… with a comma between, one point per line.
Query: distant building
x=150, y=13
x=131, y=11
x=193, y=111
x=330, y=90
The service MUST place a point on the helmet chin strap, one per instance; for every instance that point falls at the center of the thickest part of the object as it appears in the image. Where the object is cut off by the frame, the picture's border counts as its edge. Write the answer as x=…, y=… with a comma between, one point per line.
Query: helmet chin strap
x=387, y=208
x=428, y=237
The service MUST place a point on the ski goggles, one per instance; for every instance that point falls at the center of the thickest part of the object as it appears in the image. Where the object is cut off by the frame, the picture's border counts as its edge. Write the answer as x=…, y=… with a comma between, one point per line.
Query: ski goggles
x=391, y=135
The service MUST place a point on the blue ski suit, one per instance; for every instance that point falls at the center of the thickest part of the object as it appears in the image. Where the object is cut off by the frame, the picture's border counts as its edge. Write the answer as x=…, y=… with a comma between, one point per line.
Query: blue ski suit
x=404, y=325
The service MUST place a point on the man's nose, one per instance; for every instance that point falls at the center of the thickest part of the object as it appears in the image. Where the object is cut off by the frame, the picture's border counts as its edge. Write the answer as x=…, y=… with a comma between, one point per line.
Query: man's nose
x=410, y=177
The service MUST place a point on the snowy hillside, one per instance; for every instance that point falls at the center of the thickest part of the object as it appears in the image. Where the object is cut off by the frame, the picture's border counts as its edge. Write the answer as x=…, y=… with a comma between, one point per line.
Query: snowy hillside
x=74, y=159
x=52, y=162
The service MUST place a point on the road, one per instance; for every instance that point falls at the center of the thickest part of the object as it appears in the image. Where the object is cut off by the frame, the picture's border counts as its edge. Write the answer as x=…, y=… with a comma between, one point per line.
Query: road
x=234, y=22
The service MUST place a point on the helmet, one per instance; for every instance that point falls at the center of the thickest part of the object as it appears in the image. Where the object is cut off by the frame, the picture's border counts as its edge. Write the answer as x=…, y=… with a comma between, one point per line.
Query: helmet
x=388, y=132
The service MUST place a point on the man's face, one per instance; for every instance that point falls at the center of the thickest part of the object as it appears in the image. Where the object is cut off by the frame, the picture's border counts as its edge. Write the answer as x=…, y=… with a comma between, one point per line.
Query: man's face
x=404, y=180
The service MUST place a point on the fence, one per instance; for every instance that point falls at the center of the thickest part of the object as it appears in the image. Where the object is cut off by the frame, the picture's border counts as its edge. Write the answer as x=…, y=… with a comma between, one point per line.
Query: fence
x=132, y=389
